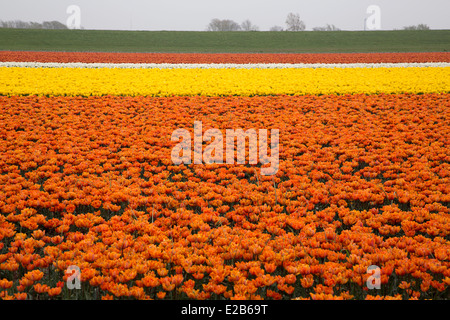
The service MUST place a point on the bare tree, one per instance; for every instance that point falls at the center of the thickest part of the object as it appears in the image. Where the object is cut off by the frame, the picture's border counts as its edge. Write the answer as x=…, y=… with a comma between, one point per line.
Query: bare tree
x=18, y=24
x=53, y=25
x=247, y=25
x=276, y=28
x=294, y=23
x=328, y=27
x=418, y=27
x=223, y=25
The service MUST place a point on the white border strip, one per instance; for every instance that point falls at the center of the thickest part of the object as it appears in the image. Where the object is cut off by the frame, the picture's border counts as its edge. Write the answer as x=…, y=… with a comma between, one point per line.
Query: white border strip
x=220, y=65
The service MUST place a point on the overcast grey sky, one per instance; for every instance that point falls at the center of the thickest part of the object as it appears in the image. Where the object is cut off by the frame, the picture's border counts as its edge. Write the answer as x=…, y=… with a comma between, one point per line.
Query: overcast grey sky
x=196, y=14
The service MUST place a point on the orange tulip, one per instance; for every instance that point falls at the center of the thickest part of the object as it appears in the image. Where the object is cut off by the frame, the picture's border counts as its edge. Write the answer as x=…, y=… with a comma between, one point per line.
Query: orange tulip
x=5, y=284
x=54, y=291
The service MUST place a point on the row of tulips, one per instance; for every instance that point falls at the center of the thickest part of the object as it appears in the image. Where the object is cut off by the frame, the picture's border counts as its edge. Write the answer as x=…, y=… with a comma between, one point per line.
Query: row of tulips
x=221, y=65
x=221, y=82
x=89, y=182
x=233, y=58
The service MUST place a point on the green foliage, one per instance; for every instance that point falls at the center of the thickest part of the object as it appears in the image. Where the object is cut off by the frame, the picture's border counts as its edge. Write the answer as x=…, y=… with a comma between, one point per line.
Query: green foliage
x=223, y=42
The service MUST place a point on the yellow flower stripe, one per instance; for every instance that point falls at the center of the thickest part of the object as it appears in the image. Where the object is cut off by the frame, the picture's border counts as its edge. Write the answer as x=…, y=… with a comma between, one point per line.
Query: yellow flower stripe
x=220, y=82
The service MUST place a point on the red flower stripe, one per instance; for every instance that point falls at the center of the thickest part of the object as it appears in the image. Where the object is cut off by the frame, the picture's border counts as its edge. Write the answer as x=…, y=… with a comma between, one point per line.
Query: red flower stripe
x=109, y=57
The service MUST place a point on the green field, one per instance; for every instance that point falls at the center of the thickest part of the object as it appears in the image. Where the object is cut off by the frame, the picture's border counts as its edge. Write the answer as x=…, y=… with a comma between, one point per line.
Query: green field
x=232, y=42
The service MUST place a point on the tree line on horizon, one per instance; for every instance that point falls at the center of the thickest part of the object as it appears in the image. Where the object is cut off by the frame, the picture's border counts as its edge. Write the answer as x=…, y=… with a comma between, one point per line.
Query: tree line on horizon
x=293, y=23
x=19, y=24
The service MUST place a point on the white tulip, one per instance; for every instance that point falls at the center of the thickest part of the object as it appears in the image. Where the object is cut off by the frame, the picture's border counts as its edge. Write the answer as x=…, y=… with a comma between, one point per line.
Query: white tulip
x=221, y=65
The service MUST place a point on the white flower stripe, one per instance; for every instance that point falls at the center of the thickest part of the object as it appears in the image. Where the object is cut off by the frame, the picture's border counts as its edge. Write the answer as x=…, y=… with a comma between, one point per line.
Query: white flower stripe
x=219, y=65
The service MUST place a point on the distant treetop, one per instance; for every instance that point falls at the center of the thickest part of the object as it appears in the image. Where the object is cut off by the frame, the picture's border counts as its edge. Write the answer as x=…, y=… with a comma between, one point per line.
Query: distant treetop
x=230, y=25
x=417, y=27
x=328, y=27
x=18, y=24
